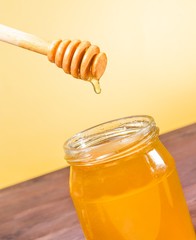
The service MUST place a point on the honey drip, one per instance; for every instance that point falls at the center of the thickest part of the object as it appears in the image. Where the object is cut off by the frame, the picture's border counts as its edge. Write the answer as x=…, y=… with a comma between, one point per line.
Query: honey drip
x=96, y=86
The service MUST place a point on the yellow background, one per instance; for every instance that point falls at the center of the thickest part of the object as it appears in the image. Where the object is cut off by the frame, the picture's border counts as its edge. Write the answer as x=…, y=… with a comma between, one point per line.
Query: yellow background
x=151, y=48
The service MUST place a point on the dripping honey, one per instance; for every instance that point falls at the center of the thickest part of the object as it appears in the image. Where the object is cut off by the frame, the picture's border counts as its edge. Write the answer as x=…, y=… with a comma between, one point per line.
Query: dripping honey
x=96, y=85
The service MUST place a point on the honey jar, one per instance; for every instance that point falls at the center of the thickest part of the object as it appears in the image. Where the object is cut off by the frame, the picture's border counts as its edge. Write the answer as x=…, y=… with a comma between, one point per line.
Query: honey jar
x=124, y=183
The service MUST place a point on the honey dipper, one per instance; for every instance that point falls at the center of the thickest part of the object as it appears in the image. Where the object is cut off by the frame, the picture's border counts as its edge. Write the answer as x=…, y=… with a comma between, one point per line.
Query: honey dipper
x=78, y=58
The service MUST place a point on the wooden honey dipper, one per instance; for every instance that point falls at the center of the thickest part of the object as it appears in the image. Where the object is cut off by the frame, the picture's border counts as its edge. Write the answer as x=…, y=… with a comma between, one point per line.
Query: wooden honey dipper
x=78, y=58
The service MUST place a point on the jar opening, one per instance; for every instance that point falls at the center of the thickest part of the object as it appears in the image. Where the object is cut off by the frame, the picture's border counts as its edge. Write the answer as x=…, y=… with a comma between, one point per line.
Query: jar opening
x=106, y=140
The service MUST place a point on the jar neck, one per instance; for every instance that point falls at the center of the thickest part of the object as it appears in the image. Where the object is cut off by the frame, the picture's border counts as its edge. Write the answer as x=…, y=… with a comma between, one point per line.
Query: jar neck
x=110, y=141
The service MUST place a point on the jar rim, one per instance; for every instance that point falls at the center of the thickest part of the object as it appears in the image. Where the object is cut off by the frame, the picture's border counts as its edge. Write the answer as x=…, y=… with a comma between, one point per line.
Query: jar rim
x=80, y=149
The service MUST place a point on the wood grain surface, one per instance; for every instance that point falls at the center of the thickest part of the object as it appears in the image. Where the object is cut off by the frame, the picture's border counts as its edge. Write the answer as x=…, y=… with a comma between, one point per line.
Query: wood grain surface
x=41, y=208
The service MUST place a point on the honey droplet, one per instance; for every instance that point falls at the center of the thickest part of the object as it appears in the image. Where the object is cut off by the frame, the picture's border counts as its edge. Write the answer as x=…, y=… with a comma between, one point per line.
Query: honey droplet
x=96, y=85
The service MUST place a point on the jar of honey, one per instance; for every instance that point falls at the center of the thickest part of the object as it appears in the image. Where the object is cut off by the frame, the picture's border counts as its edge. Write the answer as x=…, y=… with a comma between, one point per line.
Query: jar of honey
x=124, y=183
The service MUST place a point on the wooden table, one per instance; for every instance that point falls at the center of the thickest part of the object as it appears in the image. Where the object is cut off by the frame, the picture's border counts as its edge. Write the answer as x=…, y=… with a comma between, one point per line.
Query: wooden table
x=41, y=208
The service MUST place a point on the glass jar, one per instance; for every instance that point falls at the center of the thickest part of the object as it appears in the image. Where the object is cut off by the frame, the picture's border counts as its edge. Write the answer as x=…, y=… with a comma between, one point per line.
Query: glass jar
x=124, y=183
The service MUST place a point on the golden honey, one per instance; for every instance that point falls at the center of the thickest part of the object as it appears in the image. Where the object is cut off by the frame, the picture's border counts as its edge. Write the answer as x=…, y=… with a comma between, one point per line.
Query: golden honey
x=124, y=183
